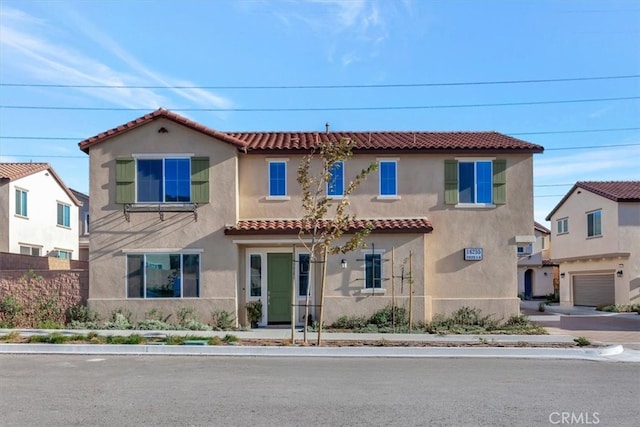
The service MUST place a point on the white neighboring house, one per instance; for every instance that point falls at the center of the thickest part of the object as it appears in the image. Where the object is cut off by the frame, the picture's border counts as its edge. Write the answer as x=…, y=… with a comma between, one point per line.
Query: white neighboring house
x=83, y=225
x=596, y=242
x=535, y=268
x=38, y=212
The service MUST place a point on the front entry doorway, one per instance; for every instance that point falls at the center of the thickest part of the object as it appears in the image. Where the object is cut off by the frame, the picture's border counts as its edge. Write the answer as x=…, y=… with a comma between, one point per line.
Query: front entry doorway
x=279, y=282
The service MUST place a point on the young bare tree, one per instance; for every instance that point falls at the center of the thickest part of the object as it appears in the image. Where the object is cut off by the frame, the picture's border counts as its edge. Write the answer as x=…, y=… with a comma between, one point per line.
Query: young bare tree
x=325, y=219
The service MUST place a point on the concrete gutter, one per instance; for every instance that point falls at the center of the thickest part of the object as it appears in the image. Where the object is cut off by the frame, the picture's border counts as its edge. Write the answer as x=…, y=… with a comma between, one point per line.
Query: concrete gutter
x=604, y=354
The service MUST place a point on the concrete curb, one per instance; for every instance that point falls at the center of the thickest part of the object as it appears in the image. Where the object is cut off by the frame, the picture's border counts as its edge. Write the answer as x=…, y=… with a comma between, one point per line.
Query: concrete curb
x=612, y=353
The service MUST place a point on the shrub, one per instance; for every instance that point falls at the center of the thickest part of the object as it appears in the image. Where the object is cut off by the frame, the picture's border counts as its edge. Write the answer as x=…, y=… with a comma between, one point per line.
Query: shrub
x=215, y=341
x=49, y=324
x=156, y=314
x=582, y=341
x=10, y=309
x=118, y=321
x=174, y=340
x=154, y=325
x=229, y=339
x=254, y=312
x=131, y=339
x=194, y=325
x=222, y=320
x=345, y=322
x=81, y=313
x=384, y=317
x=54, y=338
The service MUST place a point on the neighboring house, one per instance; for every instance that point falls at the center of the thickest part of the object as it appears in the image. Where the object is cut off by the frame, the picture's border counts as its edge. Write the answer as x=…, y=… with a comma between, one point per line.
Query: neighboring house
x=39, y=214
x=183, y=215
x=596, y=242
x=83, y=225
x=535, y=268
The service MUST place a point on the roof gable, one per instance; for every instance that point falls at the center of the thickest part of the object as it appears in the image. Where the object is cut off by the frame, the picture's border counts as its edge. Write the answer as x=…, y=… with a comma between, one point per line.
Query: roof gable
x=261, y=142
x=14, y=171
x=618, y=191
x=160, y=113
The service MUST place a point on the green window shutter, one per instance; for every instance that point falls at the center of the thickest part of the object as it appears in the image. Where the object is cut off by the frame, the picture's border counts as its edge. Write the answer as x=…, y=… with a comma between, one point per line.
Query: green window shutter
x=451, y=182
x=125, y=180
x=500, y=182
x=200, y=179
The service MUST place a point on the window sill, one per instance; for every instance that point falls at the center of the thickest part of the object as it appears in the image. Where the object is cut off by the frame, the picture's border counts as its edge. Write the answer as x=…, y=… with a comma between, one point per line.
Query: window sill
x=475, y=206
x=562, y=234
x=390, y=198
x=373, y=291
x=594, y=237
x=21, y=216
x=335, y=197
x=66, y=227
x=278, y=198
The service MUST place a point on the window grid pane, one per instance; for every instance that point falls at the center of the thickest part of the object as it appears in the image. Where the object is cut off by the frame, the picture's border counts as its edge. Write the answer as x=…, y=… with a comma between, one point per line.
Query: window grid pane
x=149, y=175
x=277, y=179
x=466, y=184
x=388, y=178
x=335, y=186
x=484, y=176
x=373, y=271
x=21, y=203
x=303, y=274
x=177, y=180
x=256, y=275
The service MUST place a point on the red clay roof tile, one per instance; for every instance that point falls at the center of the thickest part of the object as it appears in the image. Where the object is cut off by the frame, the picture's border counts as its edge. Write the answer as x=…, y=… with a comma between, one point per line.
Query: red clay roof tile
x=618, y=191
x=14, y=171
x=292, y=226
x=370, y=141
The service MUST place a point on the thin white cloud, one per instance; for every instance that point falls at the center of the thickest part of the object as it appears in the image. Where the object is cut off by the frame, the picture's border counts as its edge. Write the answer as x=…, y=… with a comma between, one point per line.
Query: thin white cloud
x=596, y=164
x=32, y=47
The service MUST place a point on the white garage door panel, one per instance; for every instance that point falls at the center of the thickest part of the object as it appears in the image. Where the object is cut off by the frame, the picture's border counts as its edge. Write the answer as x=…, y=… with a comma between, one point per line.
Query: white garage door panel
x=593, y=289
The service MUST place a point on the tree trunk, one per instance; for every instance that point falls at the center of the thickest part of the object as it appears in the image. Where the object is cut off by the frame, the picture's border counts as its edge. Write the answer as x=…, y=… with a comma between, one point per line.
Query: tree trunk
x=322, y=286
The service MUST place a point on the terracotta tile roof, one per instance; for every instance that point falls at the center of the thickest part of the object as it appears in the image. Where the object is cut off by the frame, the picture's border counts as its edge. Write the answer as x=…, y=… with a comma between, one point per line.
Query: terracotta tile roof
x=549, y=263
x=541, y=228
x=14, y=171
x=618, y=191
x=292, y=226
x=259, y=142
x=160, y=113
x=385, y=141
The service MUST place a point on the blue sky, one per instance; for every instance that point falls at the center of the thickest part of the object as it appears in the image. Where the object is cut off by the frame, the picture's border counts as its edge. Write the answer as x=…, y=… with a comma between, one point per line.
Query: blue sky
x=180, y=50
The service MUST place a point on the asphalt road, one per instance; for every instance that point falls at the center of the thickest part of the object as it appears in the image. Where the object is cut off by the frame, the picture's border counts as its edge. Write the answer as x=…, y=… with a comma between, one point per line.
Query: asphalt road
x=58, y=390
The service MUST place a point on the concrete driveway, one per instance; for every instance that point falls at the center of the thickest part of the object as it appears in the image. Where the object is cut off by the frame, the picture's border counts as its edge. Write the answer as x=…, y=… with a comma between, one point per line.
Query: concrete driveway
x=596, y=326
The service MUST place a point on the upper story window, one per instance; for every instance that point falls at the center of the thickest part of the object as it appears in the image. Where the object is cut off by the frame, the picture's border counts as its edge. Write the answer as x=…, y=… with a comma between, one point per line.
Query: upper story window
x=152, y=179
x=562, y=225
x=543, y=242
x=85, y=223
x=21, y=202
x=277, y=178
x=163, y=180
x=594, y=223
x=64, y=215
x=62, y=254
x=335, y=185
x=476, y=182
x=525, y=250
x=388, y=177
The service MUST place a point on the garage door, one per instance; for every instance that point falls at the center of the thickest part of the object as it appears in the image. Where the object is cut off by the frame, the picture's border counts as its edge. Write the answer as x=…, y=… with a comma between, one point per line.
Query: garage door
x=593, y=290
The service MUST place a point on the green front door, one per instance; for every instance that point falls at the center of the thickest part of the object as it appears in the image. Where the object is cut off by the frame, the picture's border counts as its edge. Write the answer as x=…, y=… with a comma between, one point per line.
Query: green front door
x=279, y=288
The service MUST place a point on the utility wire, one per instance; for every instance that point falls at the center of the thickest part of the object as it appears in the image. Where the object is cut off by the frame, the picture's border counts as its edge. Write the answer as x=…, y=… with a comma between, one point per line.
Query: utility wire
x=549, y=132
x=298, y=109
x=354, y=86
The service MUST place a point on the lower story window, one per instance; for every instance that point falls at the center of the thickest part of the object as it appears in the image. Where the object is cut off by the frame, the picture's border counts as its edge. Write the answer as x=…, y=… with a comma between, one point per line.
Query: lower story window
x=62, y=254
x=29, y=250
x=303, y=274
x=163, y=275
x=373, y=271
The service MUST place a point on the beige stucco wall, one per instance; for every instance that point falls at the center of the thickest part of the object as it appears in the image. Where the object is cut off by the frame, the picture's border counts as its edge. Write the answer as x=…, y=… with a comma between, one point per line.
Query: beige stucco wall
x=542, y=280
x=111, y=234
x=618, y=245
x=450, y=281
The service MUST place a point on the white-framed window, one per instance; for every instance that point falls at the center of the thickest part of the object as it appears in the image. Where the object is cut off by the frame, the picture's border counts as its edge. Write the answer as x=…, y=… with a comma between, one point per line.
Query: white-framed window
x=21, y=202
x=86, y=223
x=524, y=250
x=475, y=182
x=62, y=254
x=562, y=225
x=373, y=270
x=388, y=177
x=255, y=275
x=277, y=178
x=163, y=275
x=543, y=242
x=304, y=276
x=30, y=250
x=163, y=180
x=335, y=185
x=594, y=223
x=64, y=215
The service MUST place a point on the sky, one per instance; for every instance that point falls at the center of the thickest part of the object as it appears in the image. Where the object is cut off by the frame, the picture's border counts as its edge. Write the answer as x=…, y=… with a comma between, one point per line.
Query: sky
x=562, y=74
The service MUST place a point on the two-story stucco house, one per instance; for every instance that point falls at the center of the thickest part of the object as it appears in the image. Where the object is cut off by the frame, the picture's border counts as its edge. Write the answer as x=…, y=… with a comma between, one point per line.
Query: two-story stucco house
x=596, y=242
x=38, y=212
x=536, y=271
x=182, y=214
x=83, y=225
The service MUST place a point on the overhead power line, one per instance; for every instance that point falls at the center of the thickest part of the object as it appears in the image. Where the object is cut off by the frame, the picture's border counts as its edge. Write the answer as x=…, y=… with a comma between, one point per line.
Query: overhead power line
x=301, y=109
x=353, y=86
